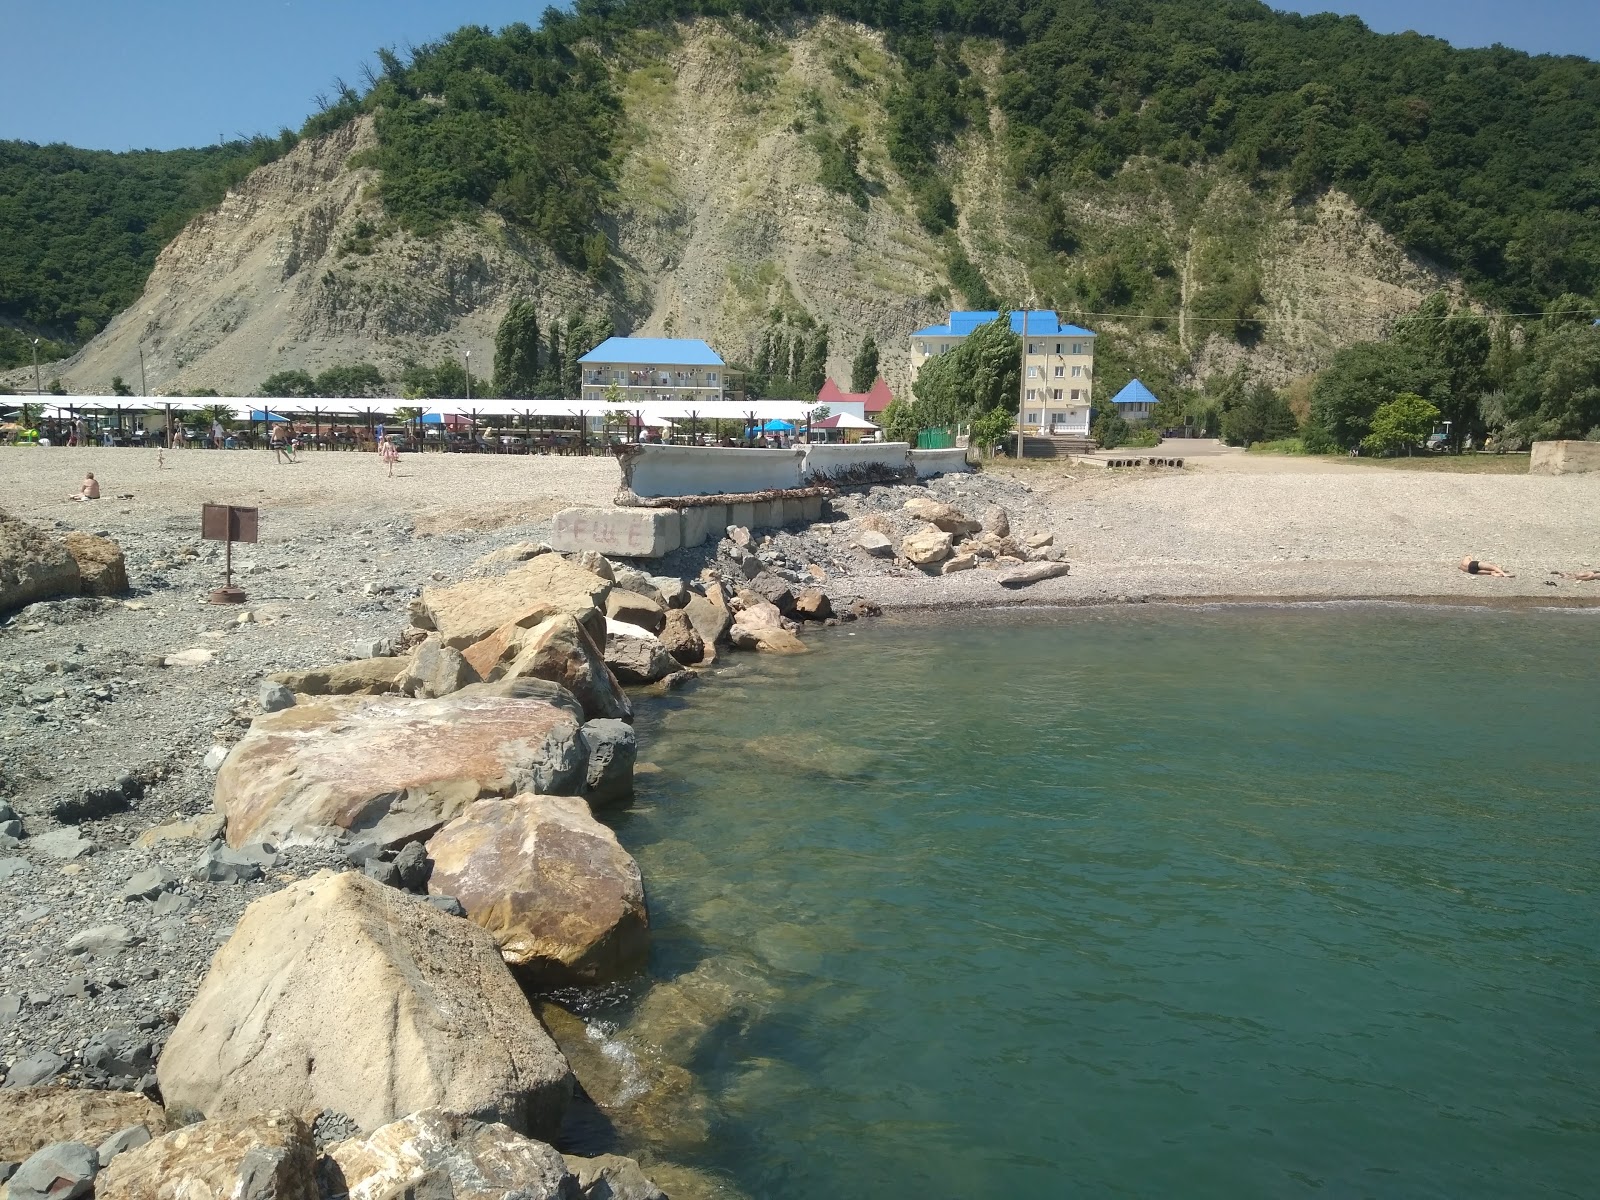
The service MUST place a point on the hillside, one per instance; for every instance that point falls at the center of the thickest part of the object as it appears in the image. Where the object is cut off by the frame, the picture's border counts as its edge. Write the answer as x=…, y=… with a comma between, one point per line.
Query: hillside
x=715, y=178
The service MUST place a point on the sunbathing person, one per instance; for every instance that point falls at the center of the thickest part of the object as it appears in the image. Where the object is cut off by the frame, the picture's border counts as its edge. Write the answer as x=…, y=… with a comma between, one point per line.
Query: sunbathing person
x=1580, y=576
x=1473, y=566
x=89, y=490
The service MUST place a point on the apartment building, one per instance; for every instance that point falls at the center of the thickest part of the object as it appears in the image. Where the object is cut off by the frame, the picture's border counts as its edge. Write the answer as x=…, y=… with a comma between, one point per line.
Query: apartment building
x=1058, y=391
x=653, y=371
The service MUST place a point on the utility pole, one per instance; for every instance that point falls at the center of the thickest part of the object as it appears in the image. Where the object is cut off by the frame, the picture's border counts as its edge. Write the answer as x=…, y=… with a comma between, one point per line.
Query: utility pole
x=142, y=390
x=1022, y=388
x=469, y=378
x=37, y=390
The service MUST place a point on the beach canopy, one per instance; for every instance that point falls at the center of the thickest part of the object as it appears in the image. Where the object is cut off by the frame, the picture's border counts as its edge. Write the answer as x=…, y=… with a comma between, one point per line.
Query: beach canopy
x=843, y=421
x=777, y=427
x=257, y=414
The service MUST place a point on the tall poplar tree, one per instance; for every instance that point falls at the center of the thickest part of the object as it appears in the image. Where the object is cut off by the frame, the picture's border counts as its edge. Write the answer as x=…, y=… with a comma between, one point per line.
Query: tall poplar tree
x=864, y=370
x=516, y=351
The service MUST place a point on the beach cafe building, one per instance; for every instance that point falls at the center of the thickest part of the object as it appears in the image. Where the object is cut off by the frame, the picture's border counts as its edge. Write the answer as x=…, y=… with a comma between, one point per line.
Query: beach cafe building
x=639, y=372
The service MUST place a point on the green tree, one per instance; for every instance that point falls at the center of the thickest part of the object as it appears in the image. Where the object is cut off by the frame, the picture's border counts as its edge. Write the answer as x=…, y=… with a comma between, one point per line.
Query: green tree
x=1458, y=345
x=1401, y=424
x=516, y=351
x=57, y=388
x=814, y=367
x=1261, y=415
x=119, y=388
x=1110, y=428
x=289, y=383
x=900, y=421
x=354, y=379
x=217, y=414
x=993, y=428
x=1556, y=393
x=1361, y=378
x=445, y=380
x=982, y=373
x=864, y=368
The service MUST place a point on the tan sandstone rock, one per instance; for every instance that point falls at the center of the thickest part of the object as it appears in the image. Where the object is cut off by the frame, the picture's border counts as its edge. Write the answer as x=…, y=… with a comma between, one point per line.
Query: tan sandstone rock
x=539, y=588
x=206, y=827
x=958, y=562
x=557, y=649
x=338, y=992
x=711, y=617
x=812, y=604
x=436, y=670
x=101, y=568
x=945, y=517
x=434, y=1153
x=681, y=639
x=257, y=1157
x=34, y=1117
x=926, y=546
x=33, y=566
x=389, y=768
x=562, y=898
x=635, y=655
x=363, y=677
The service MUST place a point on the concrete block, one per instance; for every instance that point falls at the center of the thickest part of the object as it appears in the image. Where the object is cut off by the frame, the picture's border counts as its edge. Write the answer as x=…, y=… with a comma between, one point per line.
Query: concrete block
x=813, y=509
x=1564, y=458
x=742, y=514
x=766, y=514
x=703, y=524
x=651, y=470
x=619, y=532
x=940, y=462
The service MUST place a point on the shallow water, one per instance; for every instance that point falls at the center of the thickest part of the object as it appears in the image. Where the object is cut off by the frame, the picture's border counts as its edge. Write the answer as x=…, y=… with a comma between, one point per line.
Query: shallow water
x=1225, y=903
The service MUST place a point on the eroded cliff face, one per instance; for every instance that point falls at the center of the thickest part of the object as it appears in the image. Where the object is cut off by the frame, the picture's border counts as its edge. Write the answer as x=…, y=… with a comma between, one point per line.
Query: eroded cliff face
x=718, y=223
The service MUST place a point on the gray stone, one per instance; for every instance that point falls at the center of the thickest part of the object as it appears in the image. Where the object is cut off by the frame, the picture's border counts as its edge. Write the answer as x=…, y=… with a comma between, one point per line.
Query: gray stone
x=60, y=1172
x=371, y=648
x=273, y=697
x=1033, y=573
x=263, y=854
x=613, y=748
x=149, y=883
x=214, y=758
x=218, y=864
x=34, y=1068
x=875, y=543
x=448, y=905
x=13, y=866
x=437, y=670
x=612, y=1177
x=101, y=941
x=385, y=873
x=635, y=655
x=11, y=829
x=10, y=1007
x=169, y=904
x=674, y=592
x=130, y=1138
x=63, y=845
x=119, y=1052
x=413, y=866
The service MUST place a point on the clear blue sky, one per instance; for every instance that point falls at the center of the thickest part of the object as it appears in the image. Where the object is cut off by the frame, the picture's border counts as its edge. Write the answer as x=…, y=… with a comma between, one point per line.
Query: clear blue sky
x=122, y=74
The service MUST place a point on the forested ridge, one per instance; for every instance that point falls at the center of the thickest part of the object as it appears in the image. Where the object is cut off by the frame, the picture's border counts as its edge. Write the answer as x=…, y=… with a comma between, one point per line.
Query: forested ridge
x=1486, y=162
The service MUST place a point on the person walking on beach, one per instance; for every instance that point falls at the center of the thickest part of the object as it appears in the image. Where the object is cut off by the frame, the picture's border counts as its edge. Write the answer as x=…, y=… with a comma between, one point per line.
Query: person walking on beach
x=216, y=435
x=390, y=453
x=280, y=448
x=1473, y=566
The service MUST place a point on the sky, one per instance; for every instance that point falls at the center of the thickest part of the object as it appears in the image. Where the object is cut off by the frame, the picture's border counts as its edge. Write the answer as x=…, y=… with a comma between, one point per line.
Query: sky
x=130, y=74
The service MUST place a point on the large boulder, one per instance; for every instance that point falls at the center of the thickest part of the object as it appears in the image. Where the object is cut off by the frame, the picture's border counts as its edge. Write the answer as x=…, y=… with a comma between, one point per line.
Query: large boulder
x=59, y=1171
x=711, y=617
x=759, y=626
x=774, y=590
x=102, y=571
x=33, y=566
x=681, y=638
x=812, y=604
x=635, y=655
x=440, y=1154
x=997, y=521
x=874, y=543
x=945, y=517
x=558, y=649
x=925, y=546
x=563, y=899
x=540, y=588
x=34, y=1117
x=270, y=1156
x=635, y=609
x=1030, y=573
x=612, y=1177
x=391, y=769
x=340, y=993
x=363, y=677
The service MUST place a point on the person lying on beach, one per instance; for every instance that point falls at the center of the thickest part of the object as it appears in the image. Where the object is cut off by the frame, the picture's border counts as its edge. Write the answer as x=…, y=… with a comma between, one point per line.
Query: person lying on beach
x=90, y=489
x=1579, y=576
x=1473, y=567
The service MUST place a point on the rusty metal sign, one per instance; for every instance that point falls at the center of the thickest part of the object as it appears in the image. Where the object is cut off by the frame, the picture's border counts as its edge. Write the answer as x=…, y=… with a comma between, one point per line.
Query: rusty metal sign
x=227, y=523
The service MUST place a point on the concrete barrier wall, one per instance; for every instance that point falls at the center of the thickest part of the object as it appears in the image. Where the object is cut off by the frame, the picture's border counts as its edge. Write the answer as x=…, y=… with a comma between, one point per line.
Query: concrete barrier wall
x=940, y=462
x=709, y=470
x=655, y=532
x=824, y=460
x=1564, y=458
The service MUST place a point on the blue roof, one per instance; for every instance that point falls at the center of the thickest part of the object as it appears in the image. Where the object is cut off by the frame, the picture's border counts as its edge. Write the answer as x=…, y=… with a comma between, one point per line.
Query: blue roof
x=654, y=352
x=1135, y=393
x=1041, y=322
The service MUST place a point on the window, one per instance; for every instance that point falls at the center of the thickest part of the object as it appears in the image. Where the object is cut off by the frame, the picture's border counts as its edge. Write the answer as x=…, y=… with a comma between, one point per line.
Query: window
x=711, y=376
x=1056, y=395
x=1077, y=347
x=922, y=347
x=1074, y=393
x=1032, y=418
x=1058, y=347
x=1030, y=393
x=1032, y=349
x=1033, y=372
x=1077, y=372
x=1060, y=371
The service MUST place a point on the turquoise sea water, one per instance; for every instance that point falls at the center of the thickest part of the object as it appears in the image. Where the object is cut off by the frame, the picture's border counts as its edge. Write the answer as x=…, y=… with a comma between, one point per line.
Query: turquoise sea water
x=1227, y=903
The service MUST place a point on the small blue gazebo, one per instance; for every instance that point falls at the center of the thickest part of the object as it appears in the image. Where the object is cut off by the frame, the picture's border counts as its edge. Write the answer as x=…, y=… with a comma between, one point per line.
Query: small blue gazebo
x=1135, y=402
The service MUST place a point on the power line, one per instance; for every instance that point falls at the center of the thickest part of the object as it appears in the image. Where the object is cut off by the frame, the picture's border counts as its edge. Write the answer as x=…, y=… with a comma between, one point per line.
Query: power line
x=1114, y=316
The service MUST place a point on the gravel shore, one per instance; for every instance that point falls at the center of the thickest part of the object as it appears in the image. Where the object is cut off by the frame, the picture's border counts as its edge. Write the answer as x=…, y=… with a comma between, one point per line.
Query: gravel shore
x=87, y=708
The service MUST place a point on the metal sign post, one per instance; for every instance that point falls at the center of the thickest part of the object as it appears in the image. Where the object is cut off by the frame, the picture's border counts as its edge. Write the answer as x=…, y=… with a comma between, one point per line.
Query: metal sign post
x=228, y=524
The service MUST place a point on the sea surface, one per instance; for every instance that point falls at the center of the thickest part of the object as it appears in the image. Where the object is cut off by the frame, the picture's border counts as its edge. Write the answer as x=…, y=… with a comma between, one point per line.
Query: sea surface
x=1143, y=902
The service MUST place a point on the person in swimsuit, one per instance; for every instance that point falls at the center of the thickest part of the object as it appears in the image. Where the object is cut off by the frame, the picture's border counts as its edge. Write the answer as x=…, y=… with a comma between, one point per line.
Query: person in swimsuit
x=90, y=489
x=1473, y=566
